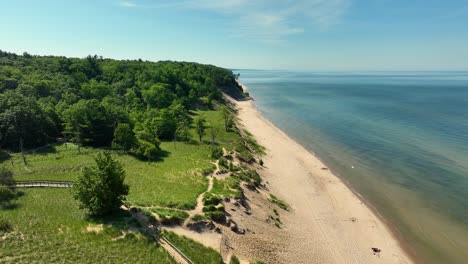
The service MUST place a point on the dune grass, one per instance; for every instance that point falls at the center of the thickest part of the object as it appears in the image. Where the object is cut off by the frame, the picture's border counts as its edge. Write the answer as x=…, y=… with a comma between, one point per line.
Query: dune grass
x=282, y=204
x=169, y=216
x=48, y=227
x=195, y=251
x=228, y=187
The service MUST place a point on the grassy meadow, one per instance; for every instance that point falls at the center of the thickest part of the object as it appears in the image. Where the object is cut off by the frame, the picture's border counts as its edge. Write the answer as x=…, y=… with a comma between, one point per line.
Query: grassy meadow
x=49, y=226
x=174, y=180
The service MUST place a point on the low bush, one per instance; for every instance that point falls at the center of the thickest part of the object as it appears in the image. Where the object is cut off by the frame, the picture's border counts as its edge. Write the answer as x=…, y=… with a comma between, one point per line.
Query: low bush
x=5, y=226
x=282, y=204
x=211, y=199
x=209, y=170
x=198, y=217
x=234, y=260
x=217, y=216
x=216, y=152
x=6, y=196
x=250, y=176
x=170, y=217
x=213, y=209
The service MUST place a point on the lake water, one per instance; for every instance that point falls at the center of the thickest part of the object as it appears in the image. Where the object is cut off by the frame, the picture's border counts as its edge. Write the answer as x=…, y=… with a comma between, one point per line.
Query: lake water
x=400, y=139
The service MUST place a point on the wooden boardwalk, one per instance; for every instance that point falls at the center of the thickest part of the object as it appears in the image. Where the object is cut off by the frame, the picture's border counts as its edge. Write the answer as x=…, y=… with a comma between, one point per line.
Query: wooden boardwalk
x=43, y=184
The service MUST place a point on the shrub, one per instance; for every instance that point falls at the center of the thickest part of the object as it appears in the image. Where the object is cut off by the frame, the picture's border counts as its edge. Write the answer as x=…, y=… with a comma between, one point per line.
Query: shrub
x=124, y=138
x=217, y=216
x=260, y=162
x=257, y=262
x=5, y=226
x=209, y=208
x=101, y=188
x=6, y=178
x=6, y=196
x=198, y=217
x=234, y=260
x=245, y=156
x=211, y=199
x=223, y=164
x=170, y=217
x=251, y=177
x=209, y=170
x=216, y=152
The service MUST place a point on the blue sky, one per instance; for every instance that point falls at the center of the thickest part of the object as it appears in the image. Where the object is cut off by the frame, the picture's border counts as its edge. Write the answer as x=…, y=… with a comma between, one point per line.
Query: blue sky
x=262, y=34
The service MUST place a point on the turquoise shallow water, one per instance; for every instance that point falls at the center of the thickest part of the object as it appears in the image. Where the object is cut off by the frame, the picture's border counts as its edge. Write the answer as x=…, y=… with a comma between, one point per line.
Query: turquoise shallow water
x=400, y=139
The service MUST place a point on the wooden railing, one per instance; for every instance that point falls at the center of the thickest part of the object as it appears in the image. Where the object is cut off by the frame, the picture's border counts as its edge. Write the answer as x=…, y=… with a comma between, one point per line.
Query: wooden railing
x=177, y=250
x=42, y=183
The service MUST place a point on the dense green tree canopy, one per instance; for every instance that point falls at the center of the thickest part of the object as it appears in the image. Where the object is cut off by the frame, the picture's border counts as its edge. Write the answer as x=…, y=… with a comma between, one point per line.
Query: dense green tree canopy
x=45, y=97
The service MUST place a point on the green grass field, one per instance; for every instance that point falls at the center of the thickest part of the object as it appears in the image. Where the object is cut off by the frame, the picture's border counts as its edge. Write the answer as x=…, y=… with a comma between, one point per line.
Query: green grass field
x=174, y=180
x=49, y=226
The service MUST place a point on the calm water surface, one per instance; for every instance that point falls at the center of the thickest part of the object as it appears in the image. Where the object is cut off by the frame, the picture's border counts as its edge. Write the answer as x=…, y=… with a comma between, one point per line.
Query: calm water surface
x=400, y=139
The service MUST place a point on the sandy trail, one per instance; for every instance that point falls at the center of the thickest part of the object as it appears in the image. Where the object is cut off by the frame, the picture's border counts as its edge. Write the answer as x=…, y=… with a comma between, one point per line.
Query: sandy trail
x=199, y=207
x=328, y=223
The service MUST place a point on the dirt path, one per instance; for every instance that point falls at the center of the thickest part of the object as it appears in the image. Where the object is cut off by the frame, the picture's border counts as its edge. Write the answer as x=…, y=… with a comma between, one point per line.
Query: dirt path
x=199, y=208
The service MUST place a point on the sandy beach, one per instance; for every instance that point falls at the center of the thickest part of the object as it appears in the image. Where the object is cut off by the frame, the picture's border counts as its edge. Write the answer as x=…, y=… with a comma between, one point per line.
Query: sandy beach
x=328, y=222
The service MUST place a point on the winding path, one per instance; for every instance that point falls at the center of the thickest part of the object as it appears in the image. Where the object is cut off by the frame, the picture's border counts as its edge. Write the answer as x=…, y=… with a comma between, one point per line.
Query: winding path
x=199, y=207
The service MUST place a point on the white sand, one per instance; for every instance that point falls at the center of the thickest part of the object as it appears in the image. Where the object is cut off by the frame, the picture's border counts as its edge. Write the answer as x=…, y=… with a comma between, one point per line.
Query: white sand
x=328, y=223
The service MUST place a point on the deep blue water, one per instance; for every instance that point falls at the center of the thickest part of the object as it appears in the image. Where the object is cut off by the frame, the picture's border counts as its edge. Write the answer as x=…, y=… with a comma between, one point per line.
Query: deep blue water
x=400, y=139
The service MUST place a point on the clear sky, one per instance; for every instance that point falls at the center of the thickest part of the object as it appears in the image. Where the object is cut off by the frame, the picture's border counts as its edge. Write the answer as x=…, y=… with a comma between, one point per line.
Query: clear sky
x=262, y=34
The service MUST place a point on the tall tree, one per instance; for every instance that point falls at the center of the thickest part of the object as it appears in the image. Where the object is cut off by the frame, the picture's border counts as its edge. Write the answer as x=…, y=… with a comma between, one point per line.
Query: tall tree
x=90, y=124
x=22, y=122
x=159, y=96
x=213, y=133
x=200, y=121
x=148, y=145
x=124, y=138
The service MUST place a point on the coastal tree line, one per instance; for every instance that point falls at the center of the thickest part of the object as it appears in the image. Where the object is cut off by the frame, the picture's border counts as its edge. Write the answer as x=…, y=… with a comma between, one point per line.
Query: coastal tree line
x=93, y=101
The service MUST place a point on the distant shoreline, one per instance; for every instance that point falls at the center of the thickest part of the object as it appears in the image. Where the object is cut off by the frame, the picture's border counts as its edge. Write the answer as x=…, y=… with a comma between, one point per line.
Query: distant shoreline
x=321, y=199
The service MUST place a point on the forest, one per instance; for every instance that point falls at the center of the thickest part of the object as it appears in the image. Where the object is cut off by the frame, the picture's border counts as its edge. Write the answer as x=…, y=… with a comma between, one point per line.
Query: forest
x=131, y=105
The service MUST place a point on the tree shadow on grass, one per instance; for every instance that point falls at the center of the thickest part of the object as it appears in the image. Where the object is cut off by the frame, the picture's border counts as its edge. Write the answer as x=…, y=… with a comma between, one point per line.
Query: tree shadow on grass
x=44, y=150
x=12, y=204
x=193, y=142
x=160, y=156
x=4, y=155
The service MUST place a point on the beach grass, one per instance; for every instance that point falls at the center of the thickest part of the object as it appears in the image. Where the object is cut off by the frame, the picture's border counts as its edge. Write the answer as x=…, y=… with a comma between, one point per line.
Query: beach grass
x=228, y=187
x=281, y=204
x=193, y=250
x=49, y=227
x=169, y=216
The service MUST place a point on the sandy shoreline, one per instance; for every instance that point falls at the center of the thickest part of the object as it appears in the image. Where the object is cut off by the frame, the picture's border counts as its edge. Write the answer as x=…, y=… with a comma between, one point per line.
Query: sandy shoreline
x=329, y=223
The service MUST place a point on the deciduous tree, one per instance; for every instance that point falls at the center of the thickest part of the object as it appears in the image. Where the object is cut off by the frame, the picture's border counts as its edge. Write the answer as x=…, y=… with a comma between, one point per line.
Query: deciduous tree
x=101, y=189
